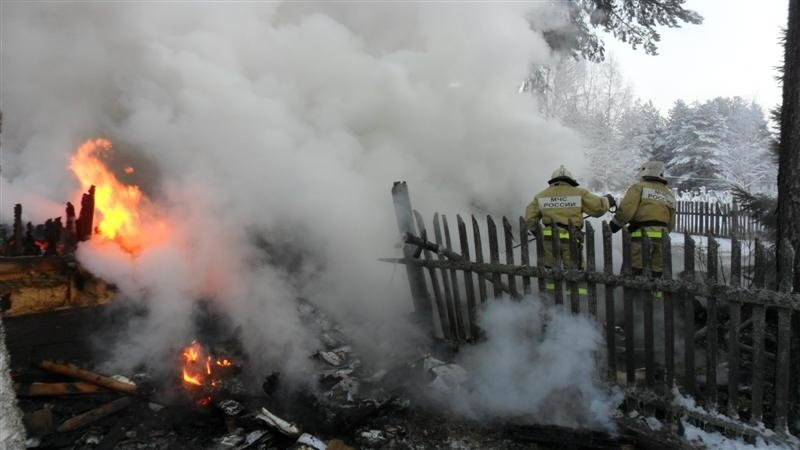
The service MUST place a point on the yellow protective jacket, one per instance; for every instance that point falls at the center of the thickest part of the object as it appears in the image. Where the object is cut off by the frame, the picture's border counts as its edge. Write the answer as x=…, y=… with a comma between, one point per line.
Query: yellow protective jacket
x=562, y=202
x=646, y=203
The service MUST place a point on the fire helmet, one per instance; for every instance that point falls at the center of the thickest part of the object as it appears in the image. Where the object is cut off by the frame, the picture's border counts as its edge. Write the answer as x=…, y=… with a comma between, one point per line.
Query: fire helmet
x=562, y=174
x=652, y=169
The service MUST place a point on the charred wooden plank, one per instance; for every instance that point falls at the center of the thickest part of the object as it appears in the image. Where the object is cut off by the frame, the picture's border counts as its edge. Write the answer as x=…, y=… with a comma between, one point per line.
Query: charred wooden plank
x=416, y=277
x=446, y=285
x=476, y=235
x=783, y=365
x=574, y=263
x=688, y=319
x=95, y=414
x=494, y=254
x=441, y=307
x=669, y=316
x=458, y=306
x=627, y=295
x=89, y=376
x=711, y=325
x=555, y=246
x=57, y=389
x=647, y=311
x=759, y=331
x=734, y=323
x=508, y=238
x=591, y=267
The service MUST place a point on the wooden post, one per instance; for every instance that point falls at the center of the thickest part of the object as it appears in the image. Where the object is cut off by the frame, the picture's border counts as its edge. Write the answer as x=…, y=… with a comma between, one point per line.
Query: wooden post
x=711, y=325
x=591, y=266
x=735, y=314
x=525, y=255
x=669, y=317
x=627, y=295
x=608, y=269
x=647, y=311
x=469, y=287
x=85, y=222
x=476, y=234
x=783, y=364
x=415, y=275
x=494, y=255
x=441, y=306
x=462, y=329
x=757, y=386
x=70, y=238
x=688, y=321
x=446, y=285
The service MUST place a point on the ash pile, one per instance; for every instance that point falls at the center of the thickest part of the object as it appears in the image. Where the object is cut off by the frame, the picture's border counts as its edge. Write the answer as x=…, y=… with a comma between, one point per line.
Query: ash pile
x=212, y=403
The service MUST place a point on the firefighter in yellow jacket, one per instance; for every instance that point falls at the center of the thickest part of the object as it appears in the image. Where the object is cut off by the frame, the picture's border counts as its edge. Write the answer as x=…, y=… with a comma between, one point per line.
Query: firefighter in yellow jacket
x=558, y=205
x=648, y=208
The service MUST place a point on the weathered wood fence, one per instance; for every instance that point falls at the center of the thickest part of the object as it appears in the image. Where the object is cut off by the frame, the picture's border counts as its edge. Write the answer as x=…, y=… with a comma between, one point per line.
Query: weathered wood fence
x=722, y=219
x=731, y=345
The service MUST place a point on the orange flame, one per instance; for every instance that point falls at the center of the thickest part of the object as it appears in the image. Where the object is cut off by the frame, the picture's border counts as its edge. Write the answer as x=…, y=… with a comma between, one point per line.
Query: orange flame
x=119, y=205
x=202, y=370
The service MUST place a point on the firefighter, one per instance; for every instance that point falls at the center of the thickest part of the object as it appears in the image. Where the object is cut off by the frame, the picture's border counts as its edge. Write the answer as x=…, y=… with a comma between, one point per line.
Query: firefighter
x=558, y=205
x=648, y=208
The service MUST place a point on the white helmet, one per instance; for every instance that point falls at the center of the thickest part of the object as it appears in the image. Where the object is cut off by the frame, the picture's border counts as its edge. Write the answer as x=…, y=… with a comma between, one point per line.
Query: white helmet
x=653, y=169
x=562, y=174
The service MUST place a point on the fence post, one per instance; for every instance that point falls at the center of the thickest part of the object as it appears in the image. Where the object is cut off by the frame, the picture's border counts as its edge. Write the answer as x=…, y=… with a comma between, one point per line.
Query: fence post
x=555, y=245
x=415, y=275
x=574, y=263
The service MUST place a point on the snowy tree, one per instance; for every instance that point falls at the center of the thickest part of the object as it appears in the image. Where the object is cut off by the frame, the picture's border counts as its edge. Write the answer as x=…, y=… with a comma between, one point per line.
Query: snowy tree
x=631, y=21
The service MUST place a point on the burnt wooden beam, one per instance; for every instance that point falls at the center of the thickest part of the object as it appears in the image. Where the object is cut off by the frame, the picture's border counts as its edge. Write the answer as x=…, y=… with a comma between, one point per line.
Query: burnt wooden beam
x=17, y=248
x=93, y=415
x=89, y=376
x=57, y=389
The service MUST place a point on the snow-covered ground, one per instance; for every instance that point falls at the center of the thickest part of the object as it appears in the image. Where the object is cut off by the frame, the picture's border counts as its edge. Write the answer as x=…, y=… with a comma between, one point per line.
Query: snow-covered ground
x=12, y=433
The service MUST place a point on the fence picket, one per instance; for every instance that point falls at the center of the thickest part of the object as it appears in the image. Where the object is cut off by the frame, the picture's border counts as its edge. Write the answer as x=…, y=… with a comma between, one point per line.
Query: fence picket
x=525, y=256
x=591, y=267
x=509, y=241
x=469, y=287
x=627, y=295
x=541, y=282
x=688, y=320
x=784, y=338
x=608, y=268
x=711, y=324
x=734, y=312
x=647, y=311
x=574, y=263
x=441, y=309
x=555, y=243
x=446, y=285
x=476, y=235
x=669, y=316
x=757, y=386
x=494, y=255
x=455, y=285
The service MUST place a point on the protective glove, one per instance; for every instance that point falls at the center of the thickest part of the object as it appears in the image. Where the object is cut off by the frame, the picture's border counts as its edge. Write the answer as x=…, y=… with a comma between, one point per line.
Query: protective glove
x=614, y=227
x=611, y=202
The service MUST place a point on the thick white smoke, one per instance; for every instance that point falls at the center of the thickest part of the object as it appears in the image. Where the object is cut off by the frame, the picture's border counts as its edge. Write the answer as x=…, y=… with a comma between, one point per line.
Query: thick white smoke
x=538, y=364
x=282, y=125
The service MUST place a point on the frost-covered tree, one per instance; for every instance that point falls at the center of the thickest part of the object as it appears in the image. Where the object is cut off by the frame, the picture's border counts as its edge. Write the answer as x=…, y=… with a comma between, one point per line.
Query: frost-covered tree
x=700, y=143
x=631, y=21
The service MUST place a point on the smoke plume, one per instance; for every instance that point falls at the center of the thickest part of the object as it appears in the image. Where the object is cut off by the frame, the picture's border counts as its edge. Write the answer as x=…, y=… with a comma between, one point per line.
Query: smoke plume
x=271, y=134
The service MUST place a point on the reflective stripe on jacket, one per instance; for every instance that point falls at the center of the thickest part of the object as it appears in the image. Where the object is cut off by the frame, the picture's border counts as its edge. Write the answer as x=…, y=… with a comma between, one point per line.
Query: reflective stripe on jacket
x=561, y=203
x=647, y=201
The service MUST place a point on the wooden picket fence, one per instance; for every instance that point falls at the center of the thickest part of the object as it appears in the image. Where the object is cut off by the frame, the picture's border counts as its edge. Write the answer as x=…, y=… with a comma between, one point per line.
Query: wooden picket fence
x=706, y=324
x=722, y=219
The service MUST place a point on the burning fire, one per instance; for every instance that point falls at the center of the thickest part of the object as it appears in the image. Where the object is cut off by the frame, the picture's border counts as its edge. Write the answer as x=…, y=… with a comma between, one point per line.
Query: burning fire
x=201, y=371
x=120, y=206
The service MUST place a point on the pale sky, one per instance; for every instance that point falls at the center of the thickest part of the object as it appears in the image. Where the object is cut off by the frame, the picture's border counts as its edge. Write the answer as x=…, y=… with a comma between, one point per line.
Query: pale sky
x=733, y=52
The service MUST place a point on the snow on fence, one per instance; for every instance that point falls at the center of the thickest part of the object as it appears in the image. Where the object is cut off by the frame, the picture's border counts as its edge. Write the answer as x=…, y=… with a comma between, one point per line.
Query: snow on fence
x=727, y=344
x=721, y=219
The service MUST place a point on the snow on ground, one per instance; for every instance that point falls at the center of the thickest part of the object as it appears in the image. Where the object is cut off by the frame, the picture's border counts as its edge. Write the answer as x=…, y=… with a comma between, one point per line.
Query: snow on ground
x=12, y=433
x=717, y=441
